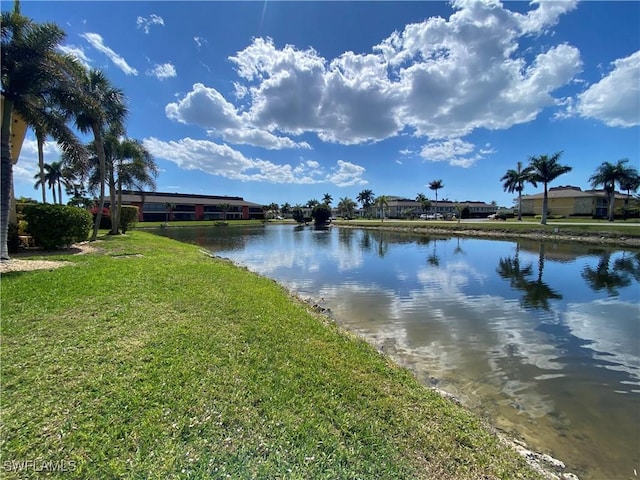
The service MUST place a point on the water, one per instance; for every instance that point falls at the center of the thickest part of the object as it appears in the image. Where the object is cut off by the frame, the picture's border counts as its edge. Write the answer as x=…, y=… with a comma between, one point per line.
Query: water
x=542, y=339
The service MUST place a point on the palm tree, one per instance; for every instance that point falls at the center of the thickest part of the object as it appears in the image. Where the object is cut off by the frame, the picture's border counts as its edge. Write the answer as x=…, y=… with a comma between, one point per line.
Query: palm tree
x=224, y=207
x=382, y=202
x=32, y=71
x=169, y=209
x=139, y=172
x=312, y=203
x=97, y=106
x=608, y=174
x=435, y=186
x=545, y=169
x=365, y=197
x=53, y=177
x=327, y=199
x=285, y=208
x=424, y=202
x=514, y=181
x=346, y=207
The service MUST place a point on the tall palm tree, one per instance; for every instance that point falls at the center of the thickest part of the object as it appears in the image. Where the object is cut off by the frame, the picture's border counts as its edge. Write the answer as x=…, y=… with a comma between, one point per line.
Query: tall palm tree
x=435, y=186
x=424, y=202
x=545, y=169
x=382, y=202
x=327, y=199
x=32, y=71
x=44, y=182
x=97, y=107
x=54, y=177
x=514, y=181
x=608, y=174
x=365, y=197
x=135, y=168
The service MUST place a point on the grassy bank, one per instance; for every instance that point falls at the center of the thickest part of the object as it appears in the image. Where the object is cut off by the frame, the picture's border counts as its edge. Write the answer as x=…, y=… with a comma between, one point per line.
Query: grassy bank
x=618, y=233
x=148, y=359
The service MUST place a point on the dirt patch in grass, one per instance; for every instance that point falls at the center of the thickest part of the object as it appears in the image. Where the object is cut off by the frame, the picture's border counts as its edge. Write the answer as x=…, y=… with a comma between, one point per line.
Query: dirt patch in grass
x=30, y=259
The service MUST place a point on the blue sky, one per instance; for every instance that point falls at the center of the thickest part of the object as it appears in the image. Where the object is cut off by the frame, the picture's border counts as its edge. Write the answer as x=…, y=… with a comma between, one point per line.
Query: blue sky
x=286, y=101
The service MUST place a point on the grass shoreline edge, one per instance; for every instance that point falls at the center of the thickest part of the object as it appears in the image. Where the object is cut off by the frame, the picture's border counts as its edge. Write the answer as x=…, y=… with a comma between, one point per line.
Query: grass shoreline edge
x=133, y=252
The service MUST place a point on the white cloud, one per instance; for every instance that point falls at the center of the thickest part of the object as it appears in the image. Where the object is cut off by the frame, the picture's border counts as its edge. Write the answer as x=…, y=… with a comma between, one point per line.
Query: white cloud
x=77, y=52
x=97, y=42
x=207, y=108
x=260, y=138
x=27, y=165
x=615, y=100
x=204, y=107
x=347, y=174
x=166, y=70
x=222, y=160
x=146, y=23
x=200, y=41
x=440, y=78
x=454, y=151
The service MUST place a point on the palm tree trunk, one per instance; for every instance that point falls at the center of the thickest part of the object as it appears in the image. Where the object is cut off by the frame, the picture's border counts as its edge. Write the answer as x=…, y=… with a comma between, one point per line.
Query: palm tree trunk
x=119, y=203
x=101, y=168
x=40, y=140
x=545, y=203
x=6, y=168
x=612, y=199
x=59, y=192
x=53, y=189
x=113, y=208
x=520, y=206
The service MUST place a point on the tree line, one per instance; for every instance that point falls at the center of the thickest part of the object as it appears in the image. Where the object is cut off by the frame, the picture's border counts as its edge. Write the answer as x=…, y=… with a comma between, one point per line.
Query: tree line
x=58, y=96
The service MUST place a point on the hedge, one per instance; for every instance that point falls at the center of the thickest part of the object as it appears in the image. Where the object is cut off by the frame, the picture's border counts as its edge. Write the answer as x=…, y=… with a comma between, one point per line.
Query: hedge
x=56, y=226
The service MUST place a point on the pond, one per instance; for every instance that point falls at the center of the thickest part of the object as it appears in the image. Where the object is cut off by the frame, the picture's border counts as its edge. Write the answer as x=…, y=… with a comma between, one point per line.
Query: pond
x=542, y=339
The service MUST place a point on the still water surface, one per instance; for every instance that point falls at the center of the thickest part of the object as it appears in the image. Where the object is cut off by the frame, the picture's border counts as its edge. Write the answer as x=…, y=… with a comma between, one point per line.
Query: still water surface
x=542, y=339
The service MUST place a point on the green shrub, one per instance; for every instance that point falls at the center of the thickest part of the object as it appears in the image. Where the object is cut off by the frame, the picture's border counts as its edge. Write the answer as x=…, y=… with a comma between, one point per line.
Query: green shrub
x=55, y=226
x=321, y=213
x=128, y=217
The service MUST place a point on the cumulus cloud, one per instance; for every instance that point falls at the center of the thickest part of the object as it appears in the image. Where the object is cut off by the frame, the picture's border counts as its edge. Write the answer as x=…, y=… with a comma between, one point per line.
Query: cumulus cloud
x=222, y=160
x=97, y=42
x=27, y=166
x=146, y=23
x=614, y=100
x=207, y=108
x=440, y=79
x=166, y=70
x=456, y=152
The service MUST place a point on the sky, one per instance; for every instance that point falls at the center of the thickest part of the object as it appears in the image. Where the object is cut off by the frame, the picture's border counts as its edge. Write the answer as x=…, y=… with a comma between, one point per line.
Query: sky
x=287, y=101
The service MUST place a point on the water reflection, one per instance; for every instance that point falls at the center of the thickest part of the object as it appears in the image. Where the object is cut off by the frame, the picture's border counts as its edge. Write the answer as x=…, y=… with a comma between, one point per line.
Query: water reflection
x=542, y=338
x=611, y=276
x=537, y=293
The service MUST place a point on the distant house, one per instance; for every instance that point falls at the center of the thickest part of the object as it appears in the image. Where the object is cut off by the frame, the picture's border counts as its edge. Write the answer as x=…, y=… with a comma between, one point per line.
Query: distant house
x=568, y=200
x=153, y=206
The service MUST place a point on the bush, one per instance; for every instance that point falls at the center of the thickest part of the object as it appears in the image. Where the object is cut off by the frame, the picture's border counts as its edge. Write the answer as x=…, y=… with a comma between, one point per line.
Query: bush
x=55, y=226
x=321, y=213
x=128, y=217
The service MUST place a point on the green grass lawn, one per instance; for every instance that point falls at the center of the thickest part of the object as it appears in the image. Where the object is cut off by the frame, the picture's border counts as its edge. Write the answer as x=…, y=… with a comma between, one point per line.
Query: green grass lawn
x=149, y=359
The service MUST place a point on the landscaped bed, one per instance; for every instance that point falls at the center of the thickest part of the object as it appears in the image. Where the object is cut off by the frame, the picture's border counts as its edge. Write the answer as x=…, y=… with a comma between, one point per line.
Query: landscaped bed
x=146, y=358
